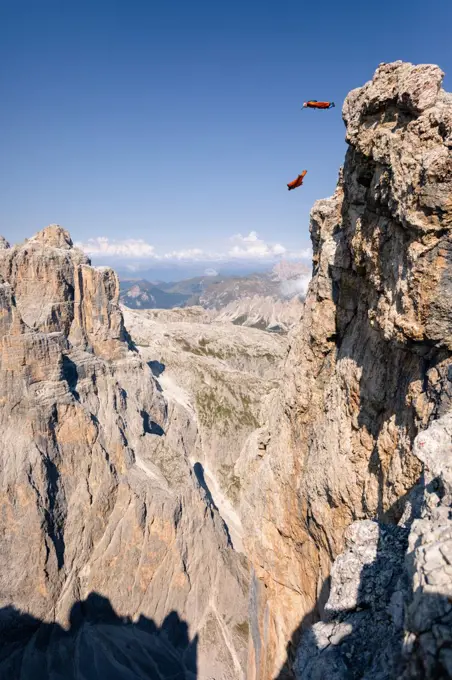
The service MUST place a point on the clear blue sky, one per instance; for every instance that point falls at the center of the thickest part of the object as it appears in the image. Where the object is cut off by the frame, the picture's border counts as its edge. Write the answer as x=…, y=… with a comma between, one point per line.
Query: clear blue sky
x=179, y=122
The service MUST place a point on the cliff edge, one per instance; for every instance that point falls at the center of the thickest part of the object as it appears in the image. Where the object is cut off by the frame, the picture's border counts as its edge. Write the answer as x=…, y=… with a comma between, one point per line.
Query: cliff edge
x=369, y=369
x=113, y=551
x=114, y=562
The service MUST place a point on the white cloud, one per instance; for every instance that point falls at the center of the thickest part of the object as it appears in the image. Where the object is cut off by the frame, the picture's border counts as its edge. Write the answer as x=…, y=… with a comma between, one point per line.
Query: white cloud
x=297, y=286
x=303, y=254
x=252, y=247
x=248, y=247
x=101, y=246
x=195, y=254
x=251, y=238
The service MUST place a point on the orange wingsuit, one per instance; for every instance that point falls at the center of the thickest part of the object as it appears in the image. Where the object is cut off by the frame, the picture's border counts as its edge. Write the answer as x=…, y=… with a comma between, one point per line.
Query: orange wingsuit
x=297, y=182
x=313, y=104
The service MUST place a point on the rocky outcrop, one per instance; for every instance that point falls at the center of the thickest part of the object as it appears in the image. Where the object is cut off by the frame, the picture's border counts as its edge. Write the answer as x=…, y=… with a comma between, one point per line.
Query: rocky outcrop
x=99, y=501
x=56, y=291
x=217, y=376
x=298, y=520
x=389, y=612
x=264, y=313
x=369, y=366
x=427, y=642
x=362, y=628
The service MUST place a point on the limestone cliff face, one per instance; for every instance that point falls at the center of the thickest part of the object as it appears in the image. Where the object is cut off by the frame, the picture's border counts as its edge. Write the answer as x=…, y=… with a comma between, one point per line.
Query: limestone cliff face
x=389, y=612
x=333, y=472
x=217, y=377
x=369, y=366
x=98, y=499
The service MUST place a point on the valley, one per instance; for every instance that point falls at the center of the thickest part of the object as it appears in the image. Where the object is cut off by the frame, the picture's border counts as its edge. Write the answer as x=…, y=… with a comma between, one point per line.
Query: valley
x=252, y=482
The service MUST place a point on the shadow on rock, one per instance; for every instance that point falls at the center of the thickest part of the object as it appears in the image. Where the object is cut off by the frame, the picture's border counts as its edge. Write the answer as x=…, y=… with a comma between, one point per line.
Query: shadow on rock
x=360, y=631
x=157, y=368
x=376, y=625
x=99, y=644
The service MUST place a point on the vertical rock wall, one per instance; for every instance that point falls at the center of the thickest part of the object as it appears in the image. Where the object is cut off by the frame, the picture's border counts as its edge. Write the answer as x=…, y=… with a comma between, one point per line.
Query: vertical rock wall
x=102, y=519
x=369, y=366
x=101, y=513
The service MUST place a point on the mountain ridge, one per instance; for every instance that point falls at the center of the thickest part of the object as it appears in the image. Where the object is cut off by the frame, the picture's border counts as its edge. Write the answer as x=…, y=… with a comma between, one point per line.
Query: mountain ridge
x=269, y=301
x=289, y=497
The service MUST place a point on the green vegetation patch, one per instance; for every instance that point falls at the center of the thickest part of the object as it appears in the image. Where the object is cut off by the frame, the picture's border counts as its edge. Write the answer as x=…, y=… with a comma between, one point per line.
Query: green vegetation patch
x=229, y=482
x=242, y=629
x=204, y=349
x=214, y=410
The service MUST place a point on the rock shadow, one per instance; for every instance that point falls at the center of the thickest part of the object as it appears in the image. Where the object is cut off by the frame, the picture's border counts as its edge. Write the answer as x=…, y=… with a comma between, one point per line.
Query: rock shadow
x=360, y=633
x=199, y=472
x=150, y=426
x=69, y=372
x=127, y=338
x=98, y=644
x=157, y=368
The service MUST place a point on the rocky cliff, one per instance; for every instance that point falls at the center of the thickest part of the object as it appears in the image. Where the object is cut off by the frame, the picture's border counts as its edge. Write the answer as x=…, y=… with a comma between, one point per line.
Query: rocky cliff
x=219, y=376
x=195, y=499
x=268, y=301
x=105, y=529
x=369, y=368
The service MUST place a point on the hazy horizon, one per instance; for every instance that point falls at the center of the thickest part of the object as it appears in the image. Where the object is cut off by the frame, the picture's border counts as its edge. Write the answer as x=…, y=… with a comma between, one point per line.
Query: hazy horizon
x=168, y=132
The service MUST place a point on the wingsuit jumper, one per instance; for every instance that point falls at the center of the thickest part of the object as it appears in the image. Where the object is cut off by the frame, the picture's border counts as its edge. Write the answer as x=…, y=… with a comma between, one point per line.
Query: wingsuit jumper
x=314, y=104
x=297, y=182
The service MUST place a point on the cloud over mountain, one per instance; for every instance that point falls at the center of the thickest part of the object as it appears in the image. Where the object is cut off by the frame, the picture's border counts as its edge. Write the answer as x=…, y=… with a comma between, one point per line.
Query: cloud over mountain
x=249, y=247
x=102, y=246
x=252, y=246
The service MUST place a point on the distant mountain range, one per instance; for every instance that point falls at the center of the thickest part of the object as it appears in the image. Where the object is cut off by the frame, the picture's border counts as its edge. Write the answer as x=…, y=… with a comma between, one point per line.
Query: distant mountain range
x=215, y=292
x=144, y=294
x=171, y=272
x=267, y=300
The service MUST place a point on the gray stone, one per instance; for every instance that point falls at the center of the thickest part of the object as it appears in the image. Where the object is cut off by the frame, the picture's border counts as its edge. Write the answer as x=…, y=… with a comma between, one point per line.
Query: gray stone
x=100, y=508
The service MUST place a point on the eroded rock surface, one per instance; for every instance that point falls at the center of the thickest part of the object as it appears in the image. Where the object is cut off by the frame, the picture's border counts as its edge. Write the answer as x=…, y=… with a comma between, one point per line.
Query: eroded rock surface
x=369, y=366
x=218, y=377
x=389, y=612
x=97, y=490
x=134, y=464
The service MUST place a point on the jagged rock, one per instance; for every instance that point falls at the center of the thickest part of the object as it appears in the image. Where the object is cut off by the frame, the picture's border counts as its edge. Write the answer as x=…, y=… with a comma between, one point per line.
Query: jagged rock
x=4, y=243
x=362, y=629
x=369, y=363
x=97, y=490
x=56, y=290
x=428, y=600
x=217, y=376
x=389, y=613
x=346, y=455
x=53, y=236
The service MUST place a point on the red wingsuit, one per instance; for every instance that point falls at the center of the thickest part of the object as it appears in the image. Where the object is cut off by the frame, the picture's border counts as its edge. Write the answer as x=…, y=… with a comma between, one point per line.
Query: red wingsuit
x=297, y=182
x=313, y=104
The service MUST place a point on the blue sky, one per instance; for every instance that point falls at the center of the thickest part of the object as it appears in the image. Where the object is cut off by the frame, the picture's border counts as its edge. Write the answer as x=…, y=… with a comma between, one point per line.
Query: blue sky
x=178, y=123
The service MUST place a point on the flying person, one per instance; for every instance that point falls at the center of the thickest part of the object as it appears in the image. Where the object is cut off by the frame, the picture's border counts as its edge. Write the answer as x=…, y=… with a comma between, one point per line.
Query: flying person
x=297, y=182
x=314, y=104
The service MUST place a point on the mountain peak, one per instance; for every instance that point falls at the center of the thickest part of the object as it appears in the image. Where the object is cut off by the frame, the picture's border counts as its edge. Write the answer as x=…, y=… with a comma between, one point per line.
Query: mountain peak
x=54, y=236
